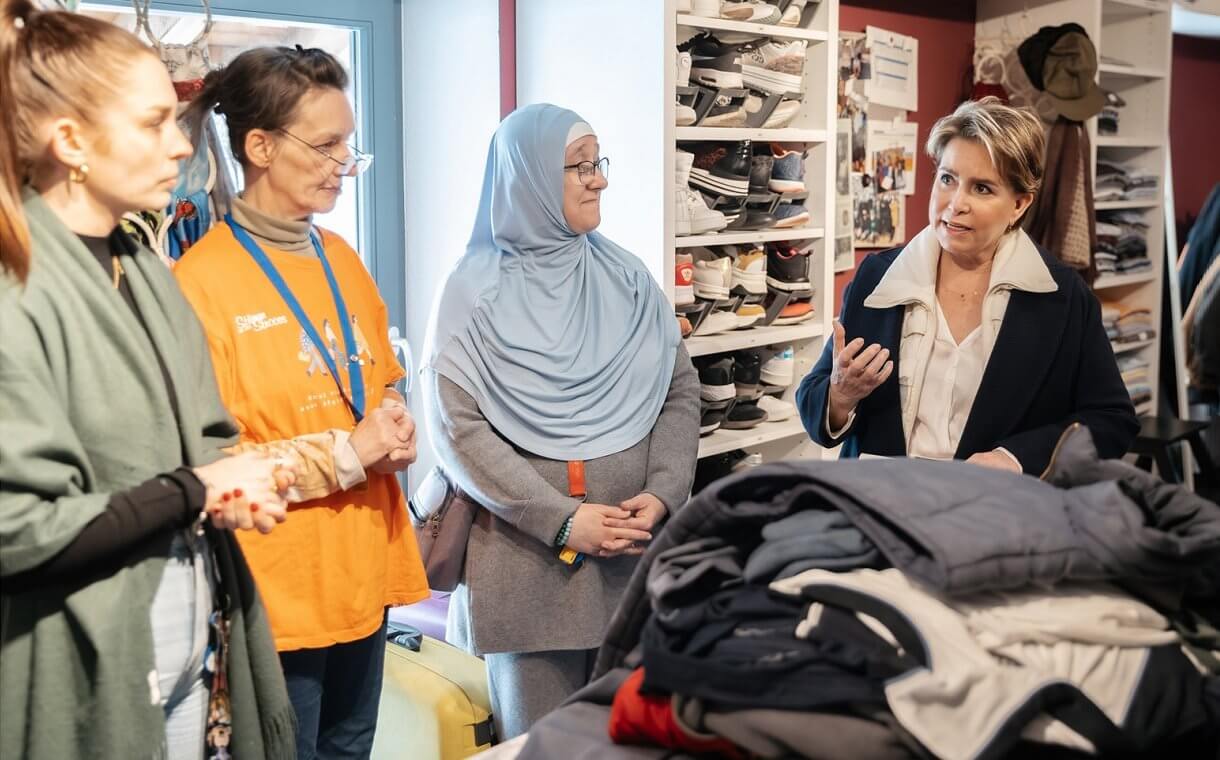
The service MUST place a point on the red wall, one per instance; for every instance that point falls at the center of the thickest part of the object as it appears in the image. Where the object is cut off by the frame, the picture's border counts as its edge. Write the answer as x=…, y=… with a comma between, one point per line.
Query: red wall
x=1194, y=113
x=508, y=57
x=945, y=31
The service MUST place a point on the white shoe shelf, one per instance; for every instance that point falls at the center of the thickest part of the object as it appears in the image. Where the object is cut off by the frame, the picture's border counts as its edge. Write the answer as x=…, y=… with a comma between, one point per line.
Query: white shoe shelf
x=814, y=127
x=1138, y=33
x=572, y=54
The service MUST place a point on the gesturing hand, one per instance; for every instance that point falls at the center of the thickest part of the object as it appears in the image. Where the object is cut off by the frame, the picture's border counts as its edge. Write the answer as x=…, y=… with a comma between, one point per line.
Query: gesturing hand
x=855, y=372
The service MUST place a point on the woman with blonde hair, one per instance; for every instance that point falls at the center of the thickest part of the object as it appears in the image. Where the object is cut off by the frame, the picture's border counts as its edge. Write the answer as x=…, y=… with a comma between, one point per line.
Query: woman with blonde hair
x=970, y=342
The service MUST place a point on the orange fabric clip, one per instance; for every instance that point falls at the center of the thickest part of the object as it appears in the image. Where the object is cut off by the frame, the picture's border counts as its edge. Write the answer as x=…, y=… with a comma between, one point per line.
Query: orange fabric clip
x=576, y=480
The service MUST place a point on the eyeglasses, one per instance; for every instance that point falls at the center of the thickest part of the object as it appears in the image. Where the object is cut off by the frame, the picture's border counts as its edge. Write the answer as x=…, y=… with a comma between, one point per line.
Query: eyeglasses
x=586, y=170
x=356, y=159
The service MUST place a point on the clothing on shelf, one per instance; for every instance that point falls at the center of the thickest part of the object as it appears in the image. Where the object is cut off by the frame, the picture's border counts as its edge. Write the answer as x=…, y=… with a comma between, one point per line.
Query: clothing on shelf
x=1122, y=242
x=1117, y=182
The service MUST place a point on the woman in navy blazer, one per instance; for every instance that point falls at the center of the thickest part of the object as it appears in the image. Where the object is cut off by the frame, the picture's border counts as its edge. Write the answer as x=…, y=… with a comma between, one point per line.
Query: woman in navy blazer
x=970, y=342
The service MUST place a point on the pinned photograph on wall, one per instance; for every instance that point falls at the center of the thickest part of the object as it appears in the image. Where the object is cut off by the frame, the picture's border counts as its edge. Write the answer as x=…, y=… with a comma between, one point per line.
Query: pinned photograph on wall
x=880, y=218
x=891, y=155
x=844, y=258
x=893, y=62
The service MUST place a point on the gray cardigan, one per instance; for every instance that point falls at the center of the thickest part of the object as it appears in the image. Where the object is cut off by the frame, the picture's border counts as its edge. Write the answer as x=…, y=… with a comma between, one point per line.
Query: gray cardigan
x=516, y=596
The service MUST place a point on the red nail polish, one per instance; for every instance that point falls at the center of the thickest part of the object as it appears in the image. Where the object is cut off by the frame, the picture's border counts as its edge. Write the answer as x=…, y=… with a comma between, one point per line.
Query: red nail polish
x=237, y=493
x=254, y=507
x=226, y=496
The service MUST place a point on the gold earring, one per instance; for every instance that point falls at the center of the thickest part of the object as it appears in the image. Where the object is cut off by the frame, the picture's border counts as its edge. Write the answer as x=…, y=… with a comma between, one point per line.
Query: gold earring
x=79, y=174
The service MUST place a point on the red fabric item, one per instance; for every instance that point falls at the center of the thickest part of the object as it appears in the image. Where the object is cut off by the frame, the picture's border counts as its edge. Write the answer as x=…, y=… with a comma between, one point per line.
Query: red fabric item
x=648, y=719
x=188, y=89
x=983, y=89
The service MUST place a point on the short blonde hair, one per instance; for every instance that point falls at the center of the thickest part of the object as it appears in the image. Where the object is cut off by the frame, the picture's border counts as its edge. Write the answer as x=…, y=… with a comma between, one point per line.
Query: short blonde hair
x=1013, y=137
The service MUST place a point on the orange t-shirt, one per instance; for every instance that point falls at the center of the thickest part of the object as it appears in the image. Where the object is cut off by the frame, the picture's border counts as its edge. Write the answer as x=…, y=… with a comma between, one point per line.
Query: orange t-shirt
x=327, y=572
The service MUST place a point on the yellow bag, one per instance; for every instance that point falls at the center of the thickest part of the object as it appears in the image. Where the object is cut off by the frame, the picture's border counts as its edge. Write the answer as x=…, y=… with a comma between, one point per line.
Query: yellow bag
x=434, y=704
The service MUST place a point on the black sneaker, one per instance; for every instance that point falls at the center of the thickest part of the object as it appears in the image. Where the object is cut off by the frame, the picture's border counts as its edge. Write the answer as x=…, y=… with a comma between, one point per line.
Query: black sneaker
x=722, y=169
x=744, y=415
x=710, y=418
x=713, y=63
x=760, y=173
x=710, y=469
x=716, y=378
x=787, y=267
x=747, y=372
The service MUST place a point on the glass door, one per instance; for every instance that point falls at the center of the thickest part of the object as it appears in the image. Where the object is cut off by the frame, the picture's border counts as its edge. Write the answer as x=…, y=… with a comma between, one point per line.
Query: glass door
x=369, y=214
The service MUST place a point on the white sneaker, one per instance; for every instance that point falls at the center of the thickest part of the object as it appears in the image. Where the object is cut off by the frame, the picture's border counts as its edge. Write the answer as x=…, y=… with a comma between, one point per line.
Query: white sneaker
x=781, y=116
x=684, y=116
x=717, y=322
x=780, y=370
x=682, y=73
x=764, y=13
x=693, y=217
x=737, y=11
x=713, y=279
x=748, y=314
x=705, y=8
x=777, y=409
x=792, y=14
x=774, y=66
x=750, y=272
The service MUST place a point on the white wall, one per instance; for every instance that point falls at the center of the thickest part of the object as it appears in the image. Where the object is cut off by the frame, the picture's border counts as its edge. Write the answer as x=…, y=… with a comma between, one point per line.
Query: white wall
x=602, y=59
x=451, y=102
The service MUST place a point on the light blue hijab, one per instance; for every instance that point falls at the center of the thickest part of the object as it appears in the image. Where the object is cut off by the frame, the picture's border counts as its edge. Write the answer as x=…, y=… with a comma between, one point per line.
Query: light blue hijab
x=564, y=340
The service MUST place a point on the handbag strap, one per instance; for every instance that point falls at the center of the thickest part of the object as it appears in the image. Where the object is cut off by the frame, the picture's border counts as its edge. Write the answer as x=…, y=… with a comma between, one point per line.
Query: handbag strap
x=578, y=490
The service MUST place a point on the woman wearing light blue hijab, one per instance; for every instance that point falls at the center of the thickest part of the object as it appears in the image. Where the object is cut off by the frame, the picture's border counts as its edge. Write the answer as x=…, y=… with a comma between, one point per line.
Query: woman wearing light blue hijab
x=550, y=344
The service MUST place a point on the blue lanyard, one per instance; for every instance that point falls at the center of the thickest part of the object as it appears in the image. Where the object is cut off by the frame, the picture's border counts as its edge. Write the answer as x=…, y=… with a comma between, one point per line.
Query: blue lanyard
x=355, y=401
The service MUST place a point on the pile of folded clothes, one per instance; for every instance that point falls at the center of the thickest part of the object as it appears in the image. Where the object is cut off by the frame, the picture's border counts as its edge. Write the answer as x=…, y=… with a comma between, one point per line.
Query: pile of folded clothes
x=1122, y=243
x=905, y=608
x=1134, y=369
x=1132, y=325
x=1116, y=182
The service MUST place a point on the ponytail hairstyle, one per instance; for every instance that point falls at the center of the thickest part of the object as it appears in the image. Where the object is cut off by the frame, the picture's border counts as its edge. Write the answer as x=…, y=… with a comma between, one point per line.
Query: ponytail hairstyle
x=52, y=64
x=261, y=89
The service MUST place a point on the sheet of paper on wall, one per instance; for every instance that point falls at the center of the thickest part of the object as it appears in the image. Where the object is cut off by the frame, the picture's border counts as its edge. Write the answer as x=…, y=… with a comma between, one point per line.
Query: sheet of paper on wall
x=890, y=157
x=894, y=68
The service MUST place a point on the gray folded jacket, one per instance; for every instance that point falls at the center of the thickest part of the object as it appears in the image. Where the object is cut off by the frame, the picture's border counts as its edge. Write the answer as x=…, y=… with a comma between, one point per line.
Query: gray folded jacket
x=813, y=539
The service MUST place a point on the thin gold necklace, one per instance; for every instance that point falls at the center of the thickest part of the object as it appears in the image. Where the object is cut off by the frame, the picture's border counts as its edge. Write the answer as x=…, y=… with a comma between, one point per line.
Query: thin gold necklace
x=117, y=269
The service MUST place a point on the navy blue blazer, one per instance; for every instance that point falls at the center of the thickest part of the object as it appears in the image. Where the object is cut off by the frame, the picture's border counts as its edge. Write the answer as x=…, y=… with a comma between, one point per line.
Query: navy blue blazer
x=1051, y=365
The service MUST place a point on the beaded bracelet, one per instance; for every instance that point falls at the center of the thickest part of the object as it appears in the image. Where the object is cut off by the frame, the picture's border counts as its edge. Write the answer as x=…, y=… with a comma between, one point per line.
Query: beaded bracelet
x=561, y=539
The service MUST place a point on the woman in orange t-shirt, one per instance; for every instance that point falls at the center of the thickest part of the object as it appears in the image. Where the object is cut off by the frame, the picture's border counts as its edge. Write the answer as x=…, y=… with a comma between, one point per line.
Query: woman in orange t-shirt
x=299, y=338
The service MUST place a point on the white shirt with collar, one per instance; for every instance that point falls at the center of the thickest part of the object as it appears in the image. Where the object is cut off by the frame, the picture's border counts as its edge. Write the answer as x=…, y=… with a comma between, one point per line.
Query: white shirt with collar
x=934, y=415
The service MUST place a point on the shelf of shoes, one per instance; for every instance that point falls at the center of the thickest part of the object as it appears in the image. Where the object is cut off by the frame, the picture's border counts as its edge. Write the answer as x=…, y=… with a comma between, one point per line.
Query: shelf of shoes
x=726, y=440
x=752, y=337
x=746, y=238
x=760, y=30
x=734, y=134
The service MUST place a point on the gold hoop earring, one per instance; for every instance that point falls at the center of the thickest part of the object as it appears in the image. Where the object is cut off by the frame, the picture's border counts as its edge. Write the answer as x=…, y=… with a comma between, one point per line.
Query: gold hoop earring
x=78, y=174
